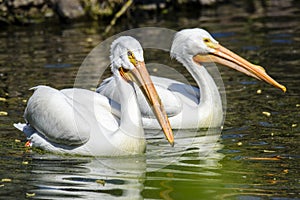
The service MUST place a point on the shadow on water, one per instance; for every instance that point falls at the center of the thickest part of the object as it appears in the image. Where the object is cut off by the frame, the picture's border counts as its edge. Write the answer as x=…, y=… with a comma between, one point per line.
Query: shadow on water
x=255, y=157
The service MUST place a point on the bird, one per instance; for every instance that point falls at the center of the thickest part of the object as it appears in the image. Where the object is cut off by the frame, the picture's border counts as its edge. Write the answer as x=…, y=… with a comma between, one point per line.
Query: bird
x=190, y=107
x=80, y=121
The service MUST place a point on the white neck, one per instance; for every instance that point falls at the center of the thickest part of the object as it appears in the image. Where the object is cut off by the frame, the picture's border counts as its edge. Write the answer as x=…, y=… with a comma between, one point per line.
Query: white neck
x=130, y=121
x=209, y=93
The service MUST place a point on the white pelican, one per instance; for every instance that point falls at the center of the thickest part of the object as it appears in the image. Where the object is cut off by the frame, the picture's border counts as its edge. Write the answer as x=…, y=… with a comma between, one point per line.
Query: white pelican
x=192, y=107
x=78, y=121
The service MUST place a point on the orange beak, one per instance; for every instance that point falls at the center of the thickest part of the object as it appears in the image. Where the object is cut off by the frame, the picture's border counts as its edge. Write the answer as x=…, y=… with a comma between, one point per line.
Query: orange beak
x=228, y=58
x=141, y=77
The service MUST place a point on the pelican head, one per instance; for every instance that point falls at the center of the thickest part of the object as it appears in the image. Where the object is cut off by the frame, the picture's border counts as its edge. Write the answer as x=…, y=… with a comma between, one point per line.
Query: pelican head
x=198, y=45
x=127, y=62
x=124, y=52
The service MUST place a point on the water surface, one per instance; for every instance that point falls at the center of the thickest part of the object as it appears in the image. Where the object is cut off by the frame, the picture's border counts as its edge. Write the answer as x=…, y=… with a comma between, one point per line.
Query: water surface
x=255, y=157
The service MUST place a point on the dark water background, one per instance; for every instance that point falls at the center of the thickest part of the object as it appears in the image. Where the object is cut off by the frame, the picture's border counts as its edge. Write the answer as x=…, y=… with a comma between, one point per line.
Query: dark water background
x=256, y=157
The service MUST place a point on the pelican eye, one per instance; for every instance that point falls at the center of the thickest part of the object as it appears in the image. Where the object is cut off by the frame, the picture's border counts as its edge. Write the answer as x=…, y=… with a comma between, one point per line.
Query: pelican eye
x=209, y=43
x=129, y=54
x=131, y=57
x=206, y=40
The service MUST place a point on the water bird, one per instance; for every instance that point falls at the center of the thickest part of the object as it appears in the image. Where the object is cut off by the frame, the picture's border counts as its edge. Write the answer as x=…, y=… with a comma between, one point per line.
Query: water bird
x=187, y=106
x=79, y=121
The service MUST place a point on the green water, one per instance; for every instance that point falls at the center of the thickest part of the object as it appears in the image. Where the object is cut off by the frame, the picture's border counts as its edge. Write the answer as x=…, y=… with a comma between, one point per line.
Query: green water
x=255, y=157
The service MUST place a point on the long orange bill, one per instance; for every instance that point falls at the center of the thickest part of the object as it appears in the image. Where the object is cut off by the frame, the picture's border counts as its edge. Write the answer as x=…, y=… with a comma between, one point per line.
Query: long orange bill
x=228, y=58
x=141, y=77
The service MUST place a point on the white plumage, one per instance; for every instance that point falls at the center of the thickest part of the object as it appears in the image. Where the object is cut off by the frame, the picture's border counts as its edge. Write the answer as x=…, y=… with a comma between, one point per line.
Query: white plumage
x=79, y=121
x=187, y=106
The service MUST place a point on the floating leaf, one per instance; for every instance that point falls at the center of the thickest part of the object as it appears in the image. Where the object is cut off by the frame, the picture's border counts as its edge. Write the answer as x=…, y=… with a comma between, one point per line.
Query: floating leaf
x=25, y=163
x=266, y=113
x=2, y=99
x=30, y=194
x=6, y=180
x=3, y=113
x=269, y=151
x=265, y=158
x=17, y=141
x=89, y=40
x=259, y=91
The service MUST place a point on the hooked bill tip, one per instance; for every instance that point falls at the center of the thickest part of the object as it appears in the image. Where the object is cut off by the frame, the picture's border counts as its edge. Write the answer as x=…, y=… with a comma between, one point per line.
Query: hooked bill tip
x=172, y=144
x=283, y=88
x=171, y=140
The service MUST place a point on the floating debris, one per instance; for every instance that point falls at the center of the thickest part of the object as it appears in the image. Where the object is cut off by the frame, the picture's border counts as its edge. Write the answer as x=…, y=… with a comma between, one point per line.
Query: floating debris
x=265, y=158
x=266, y=113
x=239, y=143
x=102, y=182
x=3, y=113
x=259, y=91
x=6, y=180
x=25, y=163
x=294, y=125
x=272, y=134
x=24, y=100
x=298, y=105
x=3, y=99
x=285, y=171
x=89, y=40
x=17, y=141
x=155, y=70
x=268, y=151
x=30, y=194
